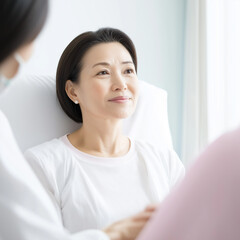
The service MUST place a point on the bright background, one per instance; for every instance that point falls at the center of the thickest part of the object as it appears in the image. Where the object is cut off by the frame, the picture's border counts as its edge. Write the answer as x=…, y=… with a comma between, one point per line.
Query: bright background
x=191, y=48
x=155, y=26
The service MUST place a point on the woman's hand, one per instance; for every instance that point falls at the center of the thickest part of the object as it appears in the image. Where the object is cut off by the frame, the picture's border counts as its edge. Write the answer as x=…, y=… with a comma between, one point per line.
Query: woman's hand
x=128, y=229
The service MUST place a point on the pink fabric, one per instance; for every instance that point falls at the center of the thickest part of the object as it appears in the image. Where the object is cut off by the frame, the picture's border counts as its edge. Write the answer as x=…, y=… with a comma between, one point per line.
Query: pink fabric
x=206, y=205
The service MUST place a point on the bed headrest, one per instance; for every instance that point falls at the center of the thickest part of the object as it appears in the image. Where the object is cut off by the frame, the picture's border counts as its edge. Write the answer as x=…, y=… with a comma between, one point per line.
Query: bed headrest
x=35, y=115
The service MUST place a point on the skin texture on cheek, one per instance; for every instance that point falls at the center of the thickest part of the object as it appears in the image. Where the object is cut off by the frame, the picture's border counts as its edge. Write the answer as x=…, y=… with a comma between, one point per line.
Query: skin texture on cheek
x=96, y=103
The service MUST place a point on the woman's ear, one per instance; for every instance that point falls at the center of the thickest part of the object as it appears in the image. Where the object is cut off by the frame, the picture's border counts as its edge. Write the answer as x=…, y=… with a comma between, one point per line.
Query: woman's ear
x=70, y=89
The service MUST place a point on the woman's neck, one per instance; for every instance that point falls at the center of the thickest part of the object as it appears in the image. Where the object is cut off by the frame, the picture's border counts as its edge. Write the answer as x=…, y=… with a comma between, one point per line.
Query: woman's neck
x=101, y=138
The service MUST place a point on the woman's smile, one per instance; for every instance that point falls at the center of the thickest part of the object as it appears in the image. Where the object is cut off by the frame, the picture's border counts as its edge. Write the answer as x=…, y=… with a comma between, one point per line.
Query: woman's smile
x=120, y=99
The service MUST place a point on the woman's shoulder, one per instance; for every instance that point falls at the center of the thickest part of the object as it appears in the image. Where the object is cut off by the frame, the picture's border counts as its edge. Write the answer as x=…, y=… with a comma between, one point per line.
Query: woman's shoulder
x=161, y=156
x=153, y=148
x=157, y=152
x=52, y=164
x=53, y=150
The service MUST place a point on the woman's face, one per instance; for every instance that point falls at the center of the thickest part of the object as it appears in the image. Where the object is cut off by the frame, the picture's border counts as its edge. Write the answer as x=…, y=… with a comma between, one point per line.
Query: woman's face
x=108, y=84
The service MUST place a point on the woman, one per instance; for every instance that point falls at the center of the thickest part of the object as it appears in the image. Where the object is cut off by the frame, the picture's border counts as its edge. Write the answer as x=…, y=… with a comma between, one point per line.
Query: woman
x=26, y=211
x=96, y=175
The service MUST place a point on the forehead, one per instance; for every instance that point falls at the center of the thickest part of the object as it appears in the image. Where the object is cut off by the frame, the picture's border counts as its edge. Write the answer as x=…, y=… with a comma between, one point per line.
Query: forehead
x=107, y=52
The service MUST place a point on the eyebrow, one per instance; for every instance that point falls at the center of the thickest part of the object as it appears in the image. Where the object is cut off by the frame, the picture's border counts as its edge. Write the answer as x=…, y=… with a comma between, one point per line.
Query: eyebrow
x=107, y=64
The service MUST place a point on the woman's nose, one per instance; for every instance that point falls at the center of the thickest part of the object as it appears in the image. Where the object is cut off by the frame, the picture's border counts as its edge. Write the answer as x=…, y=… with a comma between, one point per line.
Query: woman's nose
x=119, y=83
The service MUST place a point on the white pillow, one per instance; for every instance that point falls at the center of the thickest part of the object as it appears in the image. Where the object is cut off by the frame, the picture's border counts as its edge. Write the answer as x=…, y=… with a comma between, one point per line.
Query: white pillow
x=35, y=115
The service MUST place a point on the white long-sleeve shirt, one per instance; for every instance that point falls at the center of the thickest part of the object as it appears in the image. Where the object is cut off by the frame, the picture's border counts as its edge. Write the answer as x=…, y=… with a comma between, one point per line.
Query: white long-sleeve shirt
x=26, y=211
x=94, y=192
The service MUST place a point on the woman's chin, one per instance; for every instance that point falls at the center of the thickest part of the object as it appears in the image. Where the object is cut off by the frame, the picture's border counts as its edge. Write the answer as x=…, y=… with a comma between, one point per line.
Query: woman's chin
x=124, y=114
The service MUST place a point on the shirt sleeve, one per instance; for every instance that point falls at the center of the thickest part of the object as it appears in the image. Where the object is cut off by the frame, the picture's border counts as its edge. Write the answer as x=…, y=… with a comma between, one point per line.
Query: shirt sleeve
x=46, y=177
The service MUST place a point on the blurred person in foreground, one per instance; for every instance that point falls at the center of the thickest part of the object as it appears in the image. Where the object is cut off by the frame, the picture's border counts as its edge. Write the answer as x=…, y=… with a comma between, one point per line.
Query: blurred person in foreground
x=205, y=205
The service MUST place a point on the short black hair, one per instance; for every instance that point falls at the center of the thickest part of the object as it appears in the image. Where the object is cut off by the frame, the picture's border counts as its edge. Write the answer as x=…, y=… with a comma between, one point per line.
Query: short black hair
x=70, y=63
x=20, y=23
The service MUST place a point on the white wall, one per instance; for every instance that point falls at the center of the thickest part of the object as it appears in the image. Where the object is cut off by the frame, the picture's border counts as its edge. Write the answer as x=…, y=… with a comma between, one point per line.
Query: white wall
x=155, y=26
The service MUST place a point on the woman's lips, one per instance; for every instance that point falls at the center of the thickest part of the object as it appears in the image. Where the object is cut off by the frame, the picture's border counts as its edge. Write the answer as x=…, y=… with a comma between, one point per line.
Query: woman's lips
x=120, y=99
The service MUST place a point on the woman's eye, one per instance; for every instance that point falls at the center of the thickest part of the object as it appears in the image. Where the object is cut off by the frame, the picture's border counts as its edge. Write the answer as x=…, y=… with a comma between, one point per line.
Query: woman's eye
x=128, y=71
x=102, y=73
